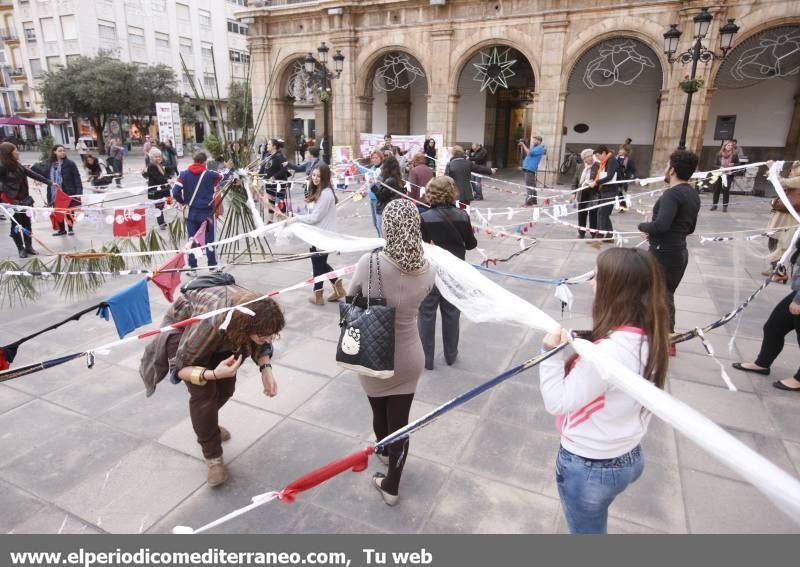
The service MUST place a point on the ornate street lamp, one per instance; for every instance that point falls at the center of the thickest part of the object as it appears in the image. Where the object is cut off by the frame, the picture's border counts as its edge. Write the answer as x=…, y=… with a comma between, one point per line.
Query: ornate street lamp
x=318, y=72
x=702, y=23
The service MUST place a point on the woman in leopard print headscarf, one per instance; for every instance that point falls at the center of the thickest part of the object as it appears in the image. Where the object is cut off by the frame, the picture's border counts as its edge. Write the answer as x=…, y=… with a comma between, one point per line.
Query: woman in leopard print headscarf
x=406, y=278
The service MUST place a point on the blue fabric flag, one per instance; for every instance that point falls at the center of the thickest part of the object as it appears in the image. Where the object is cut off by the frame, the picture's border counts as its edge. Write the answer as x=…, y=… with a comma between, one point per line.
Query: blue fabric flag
x=130, y=308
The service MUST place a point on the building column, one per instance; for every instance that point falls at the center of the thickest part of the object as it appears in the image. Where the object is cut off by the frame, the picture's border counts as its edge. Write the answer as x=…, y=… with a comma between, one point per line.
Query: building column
x=344, y=102
x=547, y=116
x=793, y=137
x=661, y=144
x=441, y=110
x=259, y=62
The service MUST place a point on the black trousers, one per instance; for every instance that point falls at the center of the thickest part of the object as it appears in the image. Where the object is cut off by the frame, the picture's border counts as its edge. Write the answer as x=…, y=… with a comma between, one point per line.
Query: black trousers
x=725, y=188
x=607, y=198
x=390, y=413
x=319, y=266
x=17, y=235
x=583, y=214
x=673, y=264
x=779, y=324
x=427, y=326
x=204, y=404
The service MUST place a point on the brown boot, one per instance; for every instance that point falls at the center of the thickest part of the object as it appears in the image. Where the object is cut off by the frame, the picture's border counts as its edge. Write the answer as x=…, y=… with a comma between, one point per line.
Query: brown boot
x=216, y=471
x=338, y=292
x=224, y=434
x=317, y=298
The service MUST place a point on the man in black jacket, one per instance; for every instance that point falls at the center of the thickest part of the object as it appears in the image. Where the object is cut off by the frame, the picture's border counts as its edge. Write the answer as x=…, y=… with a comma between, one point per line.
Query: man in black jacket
x=674, y=218
x=460, y=169
x=607, y=190
x=478, y=156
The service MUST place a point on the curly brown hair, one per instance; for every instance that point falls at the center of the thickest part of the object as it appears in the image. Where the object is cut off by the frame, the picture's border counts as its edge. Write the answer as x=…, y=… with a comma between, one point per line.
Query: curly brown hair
x=267, y=321
x=441, y=191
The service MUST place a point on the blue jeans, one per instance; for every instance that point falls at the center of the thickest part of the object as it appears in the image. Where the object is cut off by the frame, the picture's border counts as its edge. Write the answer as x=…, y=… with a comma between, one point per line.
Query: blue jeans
x=376, y=219
x=587, y=487
x=193, y=222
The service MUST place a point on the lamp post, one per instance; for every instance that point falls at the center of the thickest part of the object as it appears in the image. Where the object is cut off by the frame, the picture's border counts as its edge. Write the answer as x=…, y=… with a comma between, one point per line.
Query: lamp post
x=702, y=23
x=323, y=77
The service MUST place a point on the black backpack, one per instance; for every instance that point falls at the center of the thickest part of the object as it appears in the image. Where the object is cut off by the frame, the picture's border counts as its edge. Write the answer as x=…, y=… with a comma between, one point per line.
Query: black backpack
x=209, y=280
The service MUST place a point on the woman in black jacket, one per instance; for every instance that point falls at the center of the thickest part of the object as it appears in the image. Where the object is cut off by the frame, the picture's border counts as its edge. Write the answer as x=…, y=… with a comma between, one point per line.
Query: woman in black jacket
x=272, y=170
x=14, y=191
x=430, y=153
x=63, y=174
x=450, y=228
x=99, y=174
x=390, y=176
x=158, y=186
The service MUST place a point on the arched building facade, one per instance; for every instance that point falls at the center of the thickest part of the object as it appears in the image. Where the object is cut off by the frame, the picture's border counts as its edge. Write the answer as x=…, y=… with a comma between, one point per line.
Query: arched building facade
x=579, y=73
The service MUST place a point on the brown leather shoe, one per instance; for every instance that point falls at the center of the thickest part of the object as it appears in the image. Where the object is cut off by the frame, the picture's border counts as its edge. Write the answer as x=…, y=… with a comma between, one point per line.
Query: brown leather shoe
x=224, y=434
x=217, y=474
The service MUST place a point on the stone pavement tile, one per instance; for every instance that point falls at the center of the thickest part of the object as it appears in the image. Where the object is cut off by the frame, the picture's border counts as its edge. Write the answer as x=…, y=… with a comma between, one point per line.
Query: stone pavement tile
x=748, y=351
x=771, y=448
x=99, y=391
x=719, y=505
x=246, y=424
x=312, y=355
x=520, y=404
x=11, y=398
x=352, y=495
x=63, y=459
x=513, y=454
x=207, y=504
x=687, y=320
x=339, y=406
x=655, y=500
x=659, y=443
x=17, y=506
x=733, y=409
x=54, y=378
x=693, y=290
x=311, y=519
x=446, y=382
x=785, y=415
x=793, y=449
x=703, y=369
x=443, y=440
x=292, y=449
x=134, y=492
x=31, y=425
x=53, y=520
x=469, y=504
x=718, y=339
x=696, y=305
x=150, y=417
x=480, y=354
x=294, y=388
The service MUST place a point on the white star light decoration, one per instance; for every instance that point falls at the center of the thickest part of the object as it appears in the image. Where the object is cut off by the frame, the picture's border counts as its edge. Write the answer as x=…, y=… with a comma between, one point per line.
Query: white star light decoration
x=494, y=70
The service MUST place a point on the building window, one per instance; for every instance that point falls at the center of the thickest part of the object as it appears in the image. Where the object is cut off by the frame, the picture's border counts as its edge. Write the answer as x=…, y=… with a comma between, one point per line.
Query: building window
x=205, y=18
x=69, y=28
x=159, y=5
x=54, y=62
x=187, y=52
x=107, y=30
x=162, y=40
x=207, y=51
x=182, y=11
x=30, y=32
x=36, y=68
x=136, y=44
x=72, y=58
x=49, y=34
x=236, y=27
x=238, y=2
x=209, y=83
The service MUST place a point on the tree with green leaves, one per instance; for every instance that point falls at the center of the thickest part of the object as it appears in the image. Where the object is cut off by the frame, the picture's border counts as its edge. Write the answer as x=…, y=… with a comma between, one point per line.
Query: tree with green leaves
x=240, y=105
x=102, y=86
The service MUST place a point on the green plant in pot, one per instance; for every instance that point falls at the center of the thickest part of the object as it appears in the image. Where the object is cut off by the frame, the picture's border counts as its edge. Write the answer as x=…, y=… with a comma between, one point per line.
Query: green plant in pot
x=691, y=85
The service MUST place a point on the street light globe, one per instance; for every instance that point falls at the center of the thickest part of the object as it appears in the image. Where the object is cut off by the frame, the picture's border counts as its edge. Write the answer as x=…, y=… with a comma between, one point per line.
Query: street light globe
x=727, y=35
x=308, y=63
x=671, y=39
x=702, y=22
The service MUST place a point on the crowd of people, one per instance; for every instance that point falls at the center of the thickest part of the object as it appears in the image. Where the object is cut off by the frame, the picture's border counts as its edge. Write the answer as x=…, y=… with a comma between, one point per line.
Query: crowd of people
x=633, y=311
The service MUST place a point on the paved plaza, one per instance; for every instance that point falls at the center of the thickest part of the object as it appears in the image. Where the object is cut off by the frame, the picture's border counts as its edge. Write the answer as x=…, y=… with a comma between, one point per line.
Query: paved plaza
x=83, y=451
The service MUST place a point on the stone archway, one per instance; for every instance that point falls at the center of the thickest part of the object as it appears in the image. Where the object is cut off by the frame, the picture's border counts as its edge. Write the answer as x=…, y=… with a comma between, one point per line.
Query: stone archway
x=756, y=96
x=613, y=92
x=494, y=84
x=296, y=110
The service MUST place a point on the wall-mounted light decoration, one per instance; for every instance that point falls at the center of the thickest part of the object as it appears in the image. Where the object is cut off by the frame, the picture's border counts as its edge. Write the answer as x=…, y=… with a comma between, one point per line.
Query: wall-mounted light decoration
x=618, y=63
x=300, y=86
x=494, y=70
x=776, y=55
x=396, y=72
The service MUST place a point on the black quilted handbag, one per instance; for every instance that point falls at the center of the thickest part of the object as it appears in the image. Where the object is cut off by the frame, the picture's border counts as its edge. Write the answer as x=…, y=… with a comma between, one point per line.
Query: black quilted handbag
x=366, y=340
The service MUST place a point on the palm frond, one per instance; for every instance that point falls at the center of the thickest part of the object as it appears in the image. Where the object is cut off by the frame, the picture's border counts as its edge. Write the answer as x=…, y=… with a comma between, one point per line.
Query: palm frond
x=15, y=289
